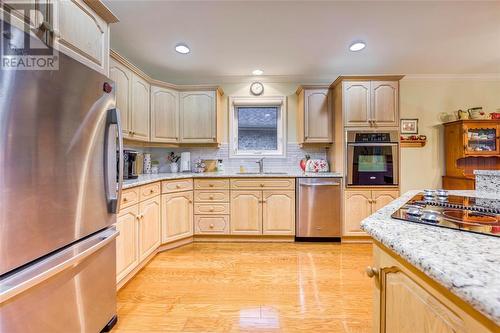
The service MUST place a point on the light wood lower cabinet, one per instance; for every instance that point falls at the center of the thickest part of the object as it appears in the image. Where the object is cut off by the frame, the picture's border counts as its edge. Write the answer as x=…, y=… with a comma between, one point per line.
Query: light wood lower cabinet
x=149, y=227
x=278, y=213
x=127, y=254
x=177, y=216
x=211, y=224
x=246, y=212
x=359, y=204
x=269, y=212
x=406, y=300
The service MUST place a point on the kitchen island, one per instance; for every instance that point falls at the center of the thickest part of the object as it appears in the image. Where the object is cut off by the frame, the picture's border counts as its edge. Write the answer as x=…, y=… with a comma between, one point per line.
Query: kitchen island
x=433, y=279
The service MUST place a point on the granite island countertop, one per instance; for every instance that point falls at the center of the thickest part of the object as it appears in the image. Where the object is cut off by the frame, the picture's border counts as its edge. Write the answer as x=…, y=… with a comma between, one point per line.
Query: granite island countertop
x=467, y=264
x=146, y=179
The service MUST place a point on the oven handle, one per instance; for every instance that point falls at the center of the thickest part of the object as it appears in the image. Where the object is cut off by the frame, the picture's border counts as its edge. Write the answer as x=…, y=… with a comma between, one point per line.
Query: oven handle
x=383, y=144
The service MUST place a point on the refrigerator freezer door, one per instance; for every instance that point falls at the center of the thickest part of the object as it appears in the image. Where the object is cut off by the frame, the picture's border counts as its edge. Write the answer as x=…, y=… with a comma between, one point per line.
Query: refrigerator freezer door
x=72, y=290
x=52, y=159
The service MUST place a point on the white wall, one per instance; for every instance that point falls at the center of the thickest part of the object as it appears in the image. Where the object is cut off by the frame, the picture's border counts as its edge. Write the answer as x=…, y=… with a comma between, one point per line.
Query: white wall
x=425, y=99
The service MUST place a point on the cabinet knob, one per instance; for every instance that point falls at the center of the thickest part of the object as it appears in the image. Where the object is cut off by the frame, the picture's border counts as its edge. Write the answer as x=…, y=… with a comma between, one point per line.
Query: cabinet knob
x=177, y=186
x=261, y=185
x=151, y=191
x=371, y=271
x=211, y=197
x=190, y=201
x=125, y=199
x=211, y=209
x=210, y=185
x=211, y=226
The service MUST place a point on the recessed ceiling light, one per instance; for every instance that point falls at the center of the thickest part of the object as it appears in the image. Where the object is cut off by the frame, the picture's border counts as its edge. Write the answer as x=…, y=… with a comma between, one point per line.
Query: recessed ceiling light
x=357, y=46
x=257, y=72
x=182, y=48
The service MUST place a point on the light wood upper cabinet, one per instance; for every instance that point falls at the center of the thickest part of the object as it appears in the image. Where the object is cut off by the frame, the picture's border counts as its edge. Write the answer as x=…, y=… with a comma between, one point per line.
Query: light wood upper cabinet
x=359, y=204
x=198, y=116
x=122, y=76
x=140, y=109
x=278, y=213
x=407, y=300
x=80, y=33
x=371, y=103
x=164, y=115
x=246, y=212
x=315, y=121
x=384, y=101
x=356, y=208
x=177, y=216
x=356, y=103
x=149, y=227
x=127, y=254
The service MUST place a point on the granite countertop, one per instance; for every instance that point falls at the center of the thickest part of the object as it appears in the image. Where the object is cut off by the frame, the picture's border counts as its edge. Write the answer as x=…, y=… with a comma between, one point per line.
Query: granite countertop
x=465, y=263
x=146, y=179
x=487, y=172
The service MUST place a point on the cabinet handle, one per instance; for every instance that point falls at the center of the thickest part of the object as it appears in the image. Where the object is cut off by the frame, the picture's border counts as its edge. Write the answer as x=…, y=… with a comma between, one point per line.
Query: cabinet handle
x=211, y=209
x=261, y=185
x=151, y=191
x=211, y=226
x=125, y=199
x=264, y=201
x=211, y=197
x=371, y=271
x=190, y=201
x=177, y=186
x=210, y=185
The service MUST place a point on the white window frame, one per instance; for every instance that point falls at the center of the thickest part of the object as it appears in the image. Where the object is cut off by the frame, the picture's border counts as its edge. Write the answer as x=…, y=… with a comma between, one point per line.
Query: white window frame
x=234, y=103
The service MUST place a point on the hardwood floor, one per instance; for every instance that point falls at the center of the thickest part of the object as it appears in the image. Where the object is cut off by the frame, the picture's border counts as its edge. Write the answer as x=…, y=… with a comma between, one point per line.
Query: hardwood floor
x=265, y=287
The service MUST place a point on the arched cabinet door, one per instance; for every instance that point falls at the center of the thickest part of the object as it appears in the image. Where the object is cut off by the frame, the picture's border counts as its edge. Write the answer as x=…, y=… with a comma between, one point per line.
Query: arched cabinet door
x=140, y=109
x=198, y=116
x=177, y=216
x=122, y=77
x=164, y=115
x=356, y=100
x=246, y=212
x=385, y=103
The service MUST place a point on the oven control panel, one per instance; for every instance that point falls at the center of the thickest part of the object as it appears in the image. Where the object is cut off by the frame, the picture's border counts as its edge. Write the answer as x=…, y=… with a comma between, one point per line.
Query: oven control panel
x=373, y=137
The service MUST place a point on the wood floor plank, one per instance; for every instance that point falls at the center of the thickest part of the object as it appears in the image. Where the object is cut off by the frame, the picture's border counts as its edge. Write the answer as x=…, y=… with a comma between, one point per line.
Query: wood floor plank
x=242, y=287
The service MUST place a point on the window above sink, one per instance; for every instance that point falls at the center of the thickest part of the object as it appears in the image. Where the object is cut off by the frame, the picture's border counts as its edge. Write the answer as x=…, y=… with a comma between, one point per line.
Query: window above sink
x=257, y=127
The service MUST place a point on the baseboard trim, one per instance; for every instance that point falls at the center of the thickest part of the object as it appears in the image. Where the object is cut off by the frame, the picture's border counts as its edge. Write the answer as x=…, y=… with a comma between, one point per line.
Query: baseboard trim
x=244, y=239
x=175, y=244
x=357, y=239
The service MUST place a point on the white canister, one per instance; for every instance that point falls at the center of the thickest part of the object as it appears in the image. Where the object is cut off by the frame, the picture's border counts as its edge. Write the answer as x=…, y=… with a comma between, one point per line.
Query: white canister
x=174, y=167
x=147, y=163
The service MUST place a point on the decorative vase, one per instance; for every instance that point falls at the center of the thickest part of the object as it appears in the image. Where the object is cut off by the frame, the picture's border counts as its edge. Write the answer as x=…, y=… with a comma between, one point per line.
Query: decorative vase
x=174, y=167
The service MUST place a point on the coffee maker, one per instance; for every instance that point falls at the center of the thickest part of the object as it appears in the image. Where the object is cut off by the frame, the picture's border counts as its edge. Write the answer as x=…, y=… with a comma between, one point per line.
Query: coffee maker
x=130, y=164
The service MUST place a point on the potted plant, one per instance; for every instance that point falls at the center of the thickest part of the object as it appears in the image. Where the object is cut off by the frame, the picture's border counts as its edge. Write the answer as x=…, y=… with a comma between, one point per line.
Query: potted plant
x=173, y=159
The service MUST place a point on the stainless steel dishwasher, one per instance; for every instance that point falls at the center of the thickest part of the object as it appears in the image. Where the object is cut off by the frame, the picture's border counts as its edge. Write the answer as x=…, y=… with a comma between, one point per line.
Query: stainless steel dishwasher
x=318, y=208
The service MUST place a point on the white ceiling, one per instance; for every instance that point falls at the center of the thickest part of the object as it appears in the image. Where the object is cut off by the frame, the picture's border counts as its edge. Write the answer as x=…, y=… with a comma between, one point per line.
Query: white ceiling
x=306, y=40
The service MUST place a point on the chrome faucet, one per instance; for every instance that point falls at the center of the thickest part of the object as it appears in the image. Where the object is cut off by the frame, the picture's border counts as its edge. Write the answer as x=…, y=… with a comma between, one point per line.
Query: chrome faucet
x=261, y=165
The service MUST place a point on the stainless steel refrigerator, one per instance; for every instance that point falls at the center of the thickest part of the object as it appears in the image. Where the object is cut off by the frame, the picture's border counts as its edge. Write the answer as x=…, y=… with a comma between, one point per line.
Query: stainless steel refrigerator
x=59, y=192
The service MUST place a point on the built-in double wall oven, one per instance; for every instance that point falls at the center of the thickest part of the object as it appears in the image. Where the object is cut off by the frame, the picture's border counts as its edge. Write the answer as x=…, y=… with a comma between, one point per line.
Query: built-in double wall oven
x=372, y=158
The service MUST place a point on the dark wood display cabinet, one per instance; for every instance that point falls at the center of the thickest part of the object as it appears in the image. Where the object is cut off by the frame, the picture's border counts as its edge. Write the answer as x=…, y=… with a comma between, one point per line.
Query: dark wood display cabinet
x=470, y=145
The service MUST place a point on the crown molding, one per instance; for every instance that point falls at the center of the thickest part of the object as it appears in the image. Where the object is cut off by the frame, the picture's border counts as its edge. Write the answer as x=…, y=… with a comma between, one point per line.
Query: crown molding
x=487, y=77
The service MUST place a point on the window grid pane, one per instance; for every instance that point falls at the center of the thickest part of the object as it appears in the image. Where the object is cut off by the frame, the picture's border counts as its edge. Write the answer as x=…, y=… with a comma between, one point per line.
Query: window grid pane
x=257, y=128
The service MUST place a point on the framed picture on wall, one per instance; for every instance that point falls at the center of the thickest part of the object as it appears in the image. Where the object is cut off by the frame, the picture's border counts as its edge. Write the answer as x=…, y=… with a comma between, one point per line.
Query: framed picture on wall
x=409, y=126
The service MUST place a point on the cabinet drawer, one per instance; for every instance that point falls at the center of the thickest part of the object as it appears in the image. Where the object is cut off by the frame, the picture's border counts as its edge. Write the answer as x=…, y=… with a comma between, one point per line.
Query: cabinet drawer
x=213, y=183
x=170, y=186
x=211, y=196
x=129, y=197
x=211, y=208
x=150, y=191
x=262, y=183
x=211, y=224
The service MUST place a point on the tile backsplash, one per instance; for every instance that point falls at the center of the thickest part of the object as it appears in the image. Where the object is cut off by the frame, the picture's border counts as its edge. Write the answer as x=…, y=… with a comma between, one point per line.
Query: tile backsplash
x=289, y=163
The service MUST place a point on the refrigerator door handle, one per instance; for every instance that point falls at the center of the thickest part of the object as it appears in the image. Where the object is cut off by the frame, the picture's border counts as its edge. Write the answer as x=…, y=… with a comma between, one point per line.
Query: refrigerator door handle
x=113, y=188
x=29, y=277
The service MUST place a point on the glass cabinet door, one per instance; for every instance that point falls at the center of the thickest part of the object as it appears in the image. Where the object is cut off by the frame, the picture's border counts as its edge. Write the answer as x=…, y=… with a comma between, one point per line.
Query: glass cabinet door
x=481, y=139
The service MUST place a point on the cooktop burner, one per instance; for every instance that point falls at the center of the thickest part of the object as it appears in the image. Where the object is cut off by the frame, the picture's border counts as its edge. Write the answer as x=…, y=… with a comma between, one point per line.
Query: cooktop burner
x=437, y=208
